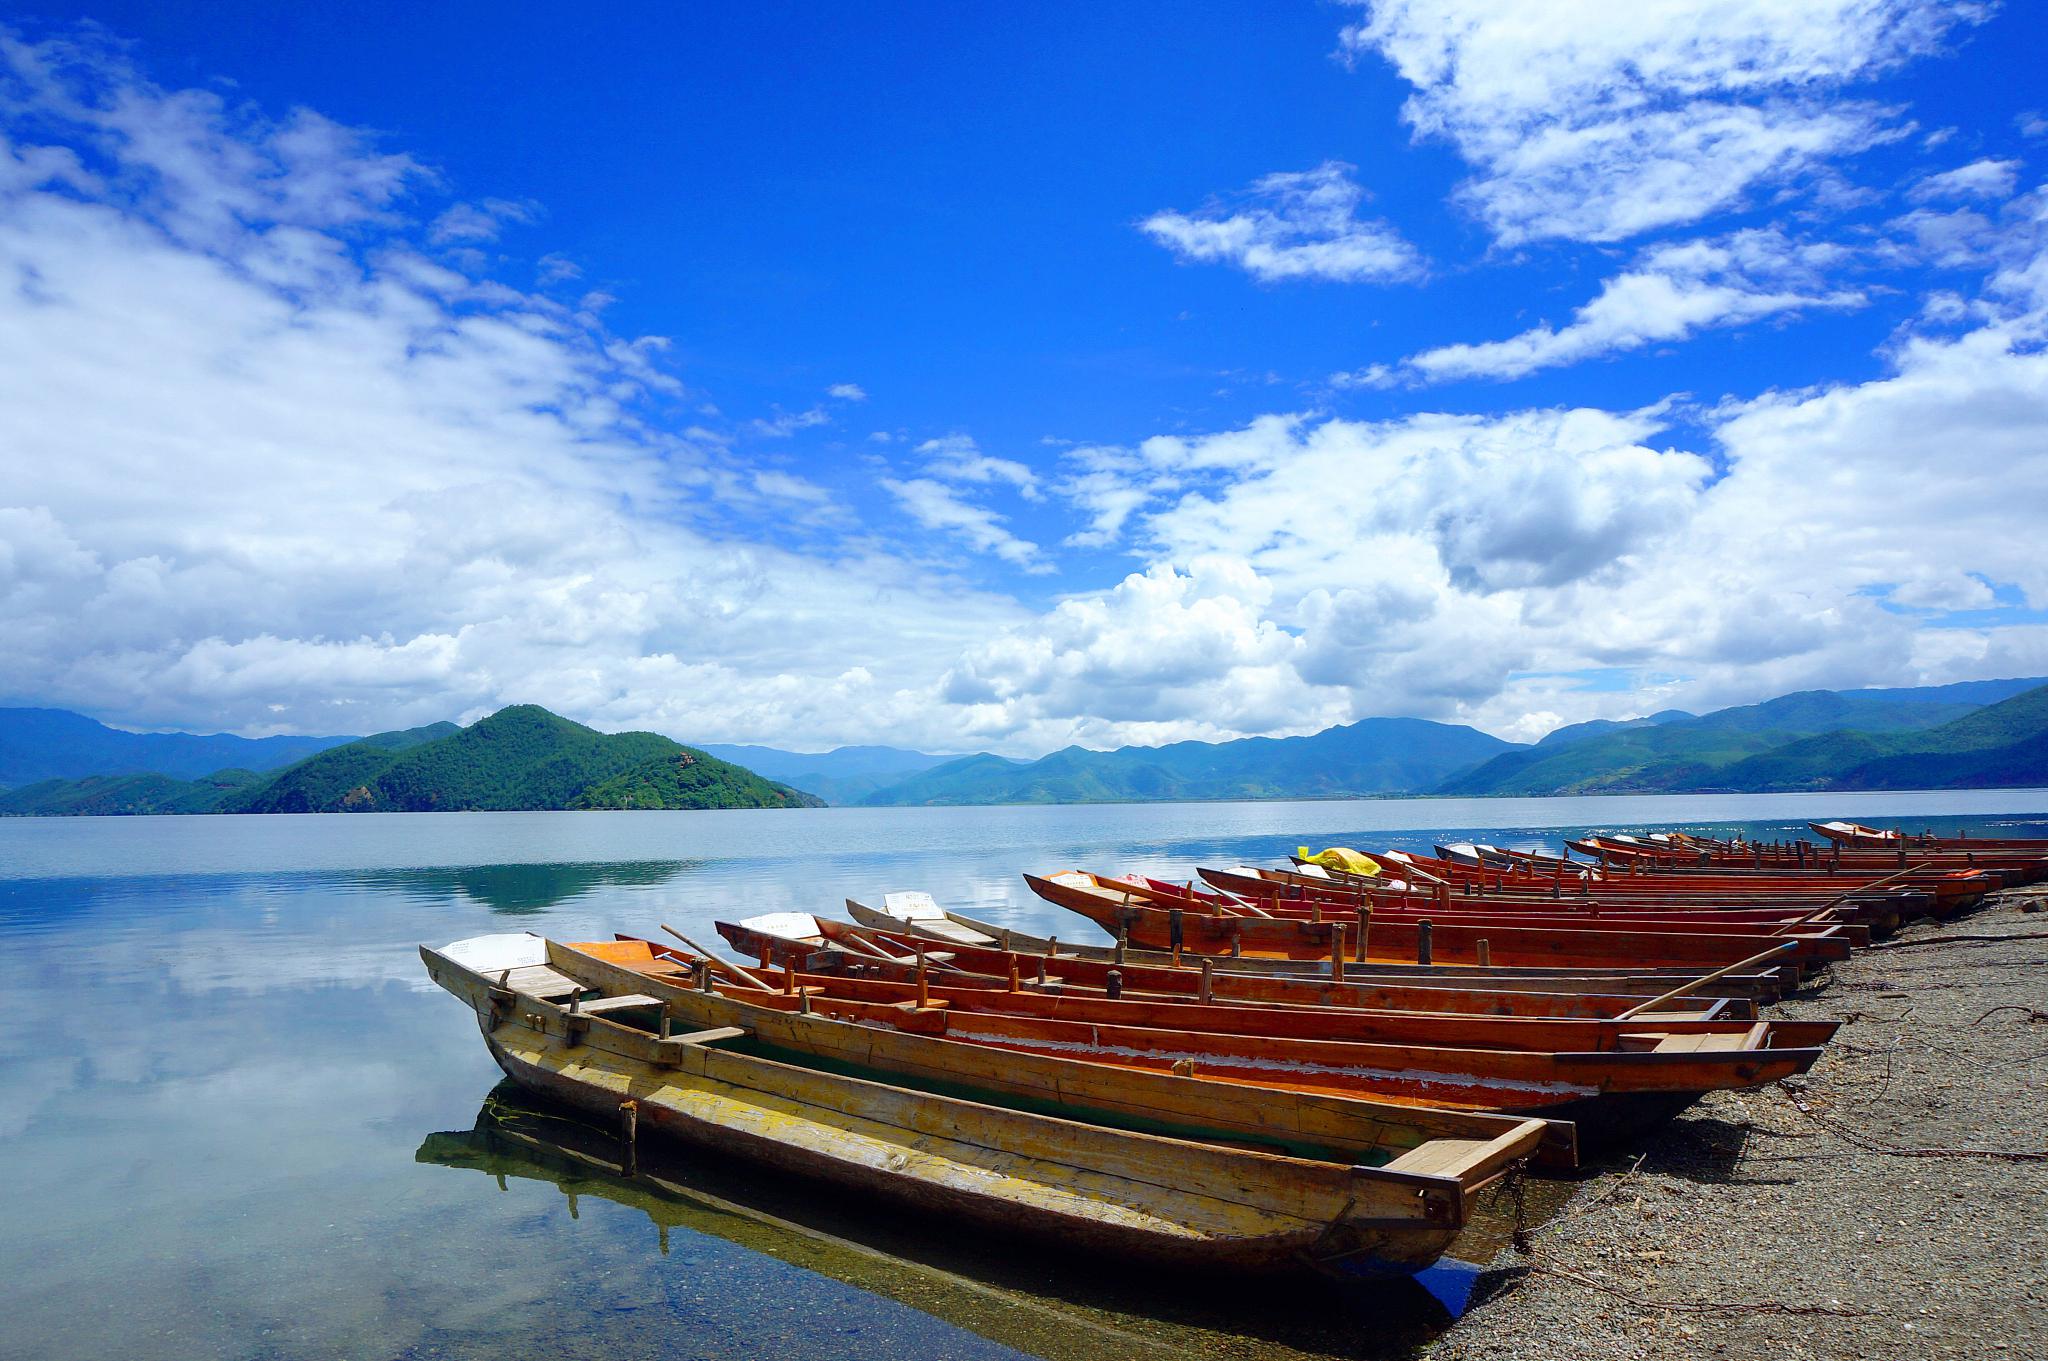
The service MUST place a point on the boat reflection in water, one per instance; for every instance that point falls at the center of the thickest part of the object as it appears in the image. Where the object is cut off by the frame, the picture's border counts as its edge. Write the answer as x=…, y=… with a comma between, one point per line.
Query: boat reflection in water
x=1010, y=1292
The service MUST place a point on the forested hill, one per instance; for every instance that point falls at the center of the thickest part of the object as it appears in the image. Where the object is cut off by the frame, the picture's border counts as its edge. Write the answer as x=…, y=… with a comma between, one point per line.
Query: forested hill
x=520, y=758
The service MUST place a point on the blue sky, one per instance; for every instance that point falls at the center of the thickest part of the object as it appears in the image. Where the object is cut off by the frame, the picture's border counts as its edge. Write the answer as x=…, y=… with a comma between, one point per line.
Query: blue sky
x=1004, y=378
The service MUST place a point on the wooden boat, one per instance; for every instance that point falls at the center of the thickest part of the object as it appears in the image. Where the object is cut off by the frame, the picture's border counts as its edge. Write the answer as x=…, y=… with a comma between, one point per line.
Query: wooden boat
x=1092, y=1187
x=1951, y=875
x=915, y=912
x=783, y=936
x=1043, y=1302
x=1608, y=1094
x=1157, y=928
x=1307, y=895
x=1859, y=835
x=939, y=976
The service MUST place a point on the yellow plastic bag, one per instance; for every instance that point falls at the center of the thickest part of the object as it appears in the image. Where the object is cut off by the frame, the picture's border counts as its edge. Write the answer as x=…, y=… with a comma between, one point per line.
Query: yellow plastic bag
x=1341, y=858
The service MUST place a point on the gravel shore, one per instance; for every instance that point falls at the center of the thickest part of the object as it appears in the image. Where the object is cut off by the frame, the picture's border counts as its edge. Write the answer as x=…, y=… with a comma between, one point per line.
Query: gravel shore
x=1839, y=1217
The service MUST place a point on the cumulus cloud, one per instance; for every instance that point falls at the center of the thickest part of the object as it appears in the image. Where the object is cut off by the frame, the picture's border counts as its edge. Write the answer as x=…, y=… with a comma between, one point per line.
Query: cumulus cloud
x=269, y=468
x=1481, y=568
x=1597, y=122
x=1672, y=293
x=1301, y=225
x=847, y=392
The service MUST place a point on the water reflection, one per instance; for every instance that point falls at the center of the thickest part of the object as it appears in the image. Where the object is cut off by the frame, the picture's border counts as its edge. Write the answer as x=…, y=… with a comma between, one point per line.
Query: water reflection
x=1034, y=1300
x=229, y=1054
x=522, y=890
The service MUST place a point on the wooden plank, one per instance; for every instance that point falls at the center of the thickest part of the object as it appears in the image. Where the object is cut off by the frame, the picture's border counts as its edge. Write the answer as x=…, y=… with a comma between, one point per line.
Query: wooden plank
x=1437, y=1156
x=631, y=999
x=711, y=1036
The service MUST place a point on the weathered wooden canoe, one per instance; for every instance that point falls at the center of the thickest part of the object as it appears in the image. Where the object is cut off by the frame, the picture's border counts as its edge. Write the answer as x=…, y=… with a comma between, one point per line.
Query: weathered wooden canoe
x=784, y=1019
x=1609, y=1094
x=1092, y=1187
x=915, y=912
x=840, y=973
x=782, y=937
x=1312, y=895
x=1290, y=938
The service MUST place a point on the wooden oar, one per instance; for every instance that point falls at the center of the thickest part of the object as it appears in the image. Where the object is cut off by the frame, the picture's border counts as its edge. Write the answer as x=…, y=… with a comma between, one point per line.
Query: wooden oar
x=1705, y=979
x=710, y=959
x=1864, y=888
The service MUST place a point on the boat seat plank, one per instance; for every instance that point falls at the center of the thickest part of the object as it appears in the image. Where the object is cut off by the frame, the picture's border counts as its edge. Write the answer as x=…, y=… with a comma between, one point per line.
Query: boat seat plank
x=1438, y=1156
x=711, y=1036
x=541, y=980
x=597, y=1005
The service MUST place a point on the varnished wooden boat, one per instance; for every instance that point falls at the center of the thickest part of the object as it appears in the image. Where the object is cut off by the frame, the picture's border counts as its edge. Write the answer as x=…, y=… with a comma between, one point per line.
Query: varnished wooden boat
x=801, y=935
x=1157, y=928
x=1092, y=1187
x=915, y=912
x=842, y=973
x=1289, y=893
x=1609, y=1095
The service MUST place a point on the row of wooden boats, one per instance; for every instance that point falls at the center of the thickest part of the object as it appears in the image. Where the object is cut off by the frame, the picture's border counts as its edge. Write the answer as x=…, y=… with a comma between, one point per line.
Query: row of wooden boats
x=1263, y=1068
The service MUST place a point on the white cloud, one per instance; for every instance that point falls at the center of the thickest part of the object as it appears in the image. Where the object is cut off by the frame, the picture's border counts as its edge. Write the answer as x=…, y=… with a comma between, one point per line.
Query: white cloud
x=1302, y=225
x=555, y=269
x=957, y=458
x=1101, y=482
x=1992, y=179
x=266, y=468
x=477, y=223
x=1479, y=568
x=847, y=392
x=783, y=424
x=1673, y=292
x=934, y=505
x=1595, y=121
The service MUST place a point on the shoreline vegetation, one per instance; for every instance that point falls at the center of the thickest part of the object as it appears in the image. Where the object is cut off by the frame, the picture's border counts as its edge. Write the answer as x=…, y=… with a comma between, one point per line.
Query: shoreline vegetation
x=1972, y=735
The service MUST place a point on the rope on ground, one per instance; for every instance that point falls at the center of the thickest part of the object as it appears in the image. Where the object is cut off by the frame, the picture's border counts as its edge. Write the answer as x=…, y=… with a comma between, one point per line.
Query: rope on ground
x=1877, y=1146
x=2032, y=1013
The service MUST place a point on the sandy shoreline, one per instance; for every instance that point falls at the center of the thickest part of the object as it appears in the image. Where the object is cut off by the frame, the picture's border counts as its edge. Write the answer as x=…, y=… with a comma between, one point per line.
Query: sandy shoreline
x=1752, y=1228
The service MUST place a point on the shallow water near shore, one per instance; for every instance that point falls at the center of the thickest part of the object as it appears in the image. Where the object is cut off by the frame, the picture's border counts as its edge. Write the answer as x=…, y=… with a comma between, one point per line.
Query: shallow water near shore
x=242, y=1124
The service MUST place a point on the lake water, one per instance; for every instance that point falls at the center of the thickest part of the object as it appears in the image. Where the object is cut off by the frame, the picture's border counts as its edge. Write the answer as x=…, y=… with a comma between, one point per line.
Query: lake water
x=238, y=1122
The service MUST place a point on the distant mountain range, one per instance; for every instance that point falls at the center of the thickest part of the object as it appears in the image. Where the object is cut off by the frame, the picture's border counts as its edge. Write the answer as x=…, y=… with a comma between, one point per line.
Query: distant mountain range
x=520, y=758
x=55, y=744
x=843, y=775
x=1974, y=734
x=1375, y=756
x=1676, y=751
x=1922, y=737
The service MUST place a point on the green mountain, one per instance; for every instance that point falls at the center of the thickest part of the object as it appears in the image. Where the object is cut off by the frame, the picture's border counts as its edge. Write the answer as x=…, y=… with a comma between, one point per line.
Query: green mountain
x=38, y=745
x=2000, y=745
x=1815, y=739
x=1596, y=727
x=1375, y=756
x=338, y=779
x=691, y=779
x=115, y=795
x=520, y=758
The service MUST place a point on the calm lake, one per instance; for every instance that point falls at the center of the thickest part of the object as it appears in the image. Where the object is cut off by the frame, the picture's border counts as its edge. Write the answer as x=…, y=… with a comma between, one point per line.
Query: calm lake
x=240, y=1123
